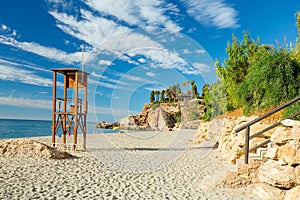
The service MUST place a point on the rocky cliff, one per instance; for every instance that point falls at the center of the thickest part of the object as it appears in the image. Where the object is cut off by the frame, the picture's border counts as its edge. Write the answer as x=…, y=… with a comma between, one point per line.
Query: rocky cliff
x=166, y=116
x=153, y=117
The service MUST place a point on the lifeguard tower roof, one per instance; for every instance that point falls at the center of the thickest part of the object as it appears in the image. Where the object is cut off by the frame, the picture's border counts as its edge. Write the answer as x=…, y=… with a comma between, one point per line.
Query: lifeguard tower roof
x=68, y=70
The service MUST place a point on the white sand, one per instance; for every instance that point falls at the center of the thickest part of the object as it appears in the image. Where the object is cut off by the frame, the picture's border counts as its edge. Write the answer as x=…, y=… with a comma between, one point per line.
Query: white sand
x=141, y=165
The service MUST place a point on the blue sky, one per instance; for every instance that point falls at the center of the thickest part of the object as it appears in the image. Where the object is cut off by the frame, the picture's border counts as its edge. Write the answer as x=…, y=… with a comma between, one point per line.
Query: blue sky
x=131, y=47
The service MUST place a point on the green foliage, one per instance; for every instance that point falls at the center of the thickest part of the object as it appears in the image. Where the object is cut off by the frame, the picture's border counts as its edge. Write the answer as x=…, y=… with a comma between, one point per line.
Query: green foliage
x=255, y=77
x=162, y=96
x=152, y=98
x=292, y=110
x=178, y=116
x=215, y=100
x=272, y=78
x=194, y=89
x=234, y=69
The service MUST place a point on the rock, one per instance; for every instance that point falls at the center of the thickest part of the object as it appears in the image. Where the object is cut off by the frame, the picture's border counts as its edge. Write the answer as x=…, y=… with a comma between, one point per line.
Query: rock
x=106, y=125
x=290, y=123
x=274, y=174
x=272, y=153
x=268, y=192
x=297, y=172
x=245, y=174
x=290, y=152
x=283, y=134
x=293, y=194
x=27, y=148
x=153, y=117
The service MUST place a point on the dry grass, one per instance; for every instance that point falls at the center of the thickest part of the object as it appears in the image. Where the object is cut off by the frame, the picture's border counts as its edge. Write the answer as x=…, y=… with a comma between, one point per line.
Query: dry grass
x=239, y=112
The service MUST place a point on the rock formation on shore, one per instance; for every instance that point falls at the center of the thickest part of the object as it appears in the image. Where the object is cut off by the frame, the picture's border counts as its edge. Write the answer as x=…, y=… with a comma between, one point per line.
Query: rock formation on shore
x=106, y=125
x=153, y=117
x=165, y=116
x=27, y=148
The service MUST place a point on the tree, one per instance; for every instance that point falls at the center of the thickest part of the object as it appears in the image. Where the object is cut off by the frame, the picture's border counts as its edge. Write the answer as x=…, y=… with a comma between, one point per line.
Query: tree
x=234, y=69
x=169, y=95
x=162, y=96
x=272, y=78
x=194, y=89
x=152, y=98
x=157, y=93
x=186, y=85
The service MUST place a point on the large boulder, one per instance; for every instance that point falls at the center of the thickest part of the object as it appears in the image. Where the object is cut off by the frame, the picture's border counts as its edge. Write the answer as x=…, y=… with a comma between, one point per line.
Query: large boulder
x=27, y=148
x=283, y=134
x=267, y=192
x=277, y=175
x=159, y=119
x=293, y=194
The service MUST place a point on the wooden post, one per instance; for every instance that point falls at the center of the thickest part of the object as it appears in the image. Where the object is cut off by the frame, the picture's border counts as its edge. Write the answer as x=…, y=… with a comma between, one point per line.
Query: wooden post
x=76, y=110
x=64, y=125
x=247, y=145
x=54, y=109
x=84, y=114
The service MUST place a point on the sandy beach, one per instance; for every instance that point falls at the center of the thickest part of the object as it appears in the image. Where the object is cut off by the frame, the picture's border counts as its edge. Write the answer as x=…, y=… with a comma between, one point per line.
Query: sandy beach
x=138, y=165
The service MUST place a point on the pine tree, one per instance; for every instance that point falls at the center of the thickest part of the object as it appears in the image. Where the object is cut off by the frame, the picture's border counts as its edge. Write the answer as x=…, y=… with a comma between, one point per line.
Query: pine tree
x=162, y=96
x=152, y=98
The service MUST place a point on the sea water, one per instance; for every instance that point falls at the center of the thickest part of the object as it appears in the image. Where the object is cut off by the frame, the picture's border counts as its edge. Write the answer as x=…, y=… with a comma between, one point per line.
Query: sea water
x=18, y=128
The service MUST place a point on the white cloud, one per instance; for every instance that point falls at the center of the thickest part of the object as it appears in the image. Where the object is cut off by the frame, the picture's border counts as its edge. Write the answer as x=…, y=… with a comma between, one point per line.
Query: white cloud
x=154, y=88
x=186, y=51
x=6, y=62
x=107, y=35
x=4, y=27
x=142, y=60
x=109, y=111
x=151, y=74
x=100, y=76
x=212, y=13
x=132, y=77
x=203, y=68
x=47, y=52
x=26, y=102
x=11, y=73
x=200, y=51
x=104, y=62
x=107, y=85
x=147, y=14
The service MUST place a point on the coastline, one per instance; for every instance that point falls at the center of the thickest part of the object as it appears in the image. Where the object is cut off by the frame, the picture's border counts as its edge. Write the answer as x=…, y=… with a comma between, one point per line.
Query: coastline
x=121, y=166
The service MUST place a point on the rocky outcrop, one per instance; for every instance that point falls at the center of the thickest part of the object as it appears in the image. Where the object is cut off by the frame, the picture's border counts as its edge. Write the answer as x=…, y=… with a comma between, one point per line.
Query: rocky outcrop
x=153, y=117
x=278, y=173
x=282, y=169
x=267, y=192
x=27, y=148
x=293, y=194
x=275, y=174
x=191, y=112
x=107, y=125
x=231, y=144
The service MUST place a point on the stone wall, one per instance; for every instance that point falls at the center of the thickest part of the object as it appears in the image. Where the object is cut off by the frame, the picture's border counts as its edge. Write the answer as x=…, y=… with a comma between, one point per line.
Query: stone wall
x=281, y=172
x=278, y=175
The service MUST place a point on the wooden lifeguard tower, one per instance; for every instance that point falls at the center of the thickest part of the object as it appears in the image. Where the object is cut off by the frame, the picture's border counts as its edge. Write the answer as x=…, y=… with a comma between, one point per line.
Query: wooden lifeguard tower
x=70, y=113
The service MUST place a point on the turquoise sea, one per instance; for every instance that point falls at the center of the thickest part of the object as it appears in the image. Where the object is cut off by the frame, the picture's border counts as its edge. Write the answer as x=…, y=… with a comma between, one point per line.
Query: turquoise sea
x=18, y=128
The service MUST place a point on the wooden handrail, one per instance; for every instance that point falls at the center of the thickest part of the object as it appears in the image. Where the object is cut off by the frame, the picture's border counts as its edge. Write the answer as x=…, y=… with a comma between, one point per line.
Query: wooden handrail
x=249, y=124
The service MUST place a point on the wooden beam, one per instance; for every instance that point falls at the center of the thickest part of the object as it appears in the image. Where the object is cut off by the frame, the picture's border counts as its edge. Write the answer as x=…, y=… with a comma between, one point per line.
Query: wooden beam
x=76, y=110
x=64, y=127
x=54, y=109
